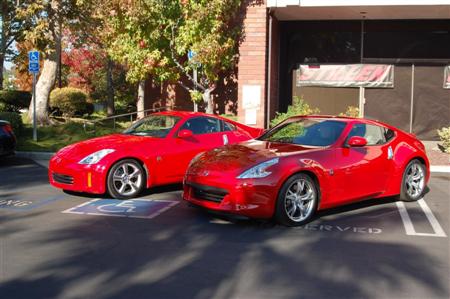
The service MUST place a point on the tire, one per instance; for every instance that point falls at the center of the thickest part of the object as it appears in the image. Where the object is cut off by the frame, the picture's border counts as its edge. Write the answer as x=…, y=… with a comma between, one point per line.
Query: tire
x=296, y=208
x=413, y=181
x=126, y=179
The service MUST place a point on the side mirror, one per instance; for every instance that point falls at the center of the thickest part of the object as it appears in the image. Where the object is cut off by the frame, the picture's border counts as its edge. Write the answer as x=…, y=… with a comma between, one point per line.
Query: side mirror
x=357, y=141
x=185, y=133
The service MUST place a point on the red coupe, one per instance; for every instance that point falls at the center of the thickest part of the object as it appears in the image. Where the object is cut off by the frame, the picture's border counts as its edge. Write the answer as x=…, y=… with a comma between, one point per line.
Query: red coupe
x=153, y=151
x=305, y=164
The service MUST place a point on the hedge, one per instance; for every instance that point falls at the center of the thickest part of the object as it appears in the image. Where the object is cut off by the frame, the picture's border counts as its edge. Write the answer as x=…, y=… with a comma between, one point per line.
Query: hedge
x=14, y=119
x=70, y=101
x=14, y=100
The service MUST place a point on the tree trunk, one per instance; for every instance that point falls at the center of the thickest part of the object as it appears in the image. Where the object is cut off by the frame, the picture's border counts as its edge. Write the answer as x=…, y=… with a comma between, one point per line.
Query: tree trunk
x=43, y=87
x=207, y=98
x=140, y=102
x=110, y=88
x=2, y=62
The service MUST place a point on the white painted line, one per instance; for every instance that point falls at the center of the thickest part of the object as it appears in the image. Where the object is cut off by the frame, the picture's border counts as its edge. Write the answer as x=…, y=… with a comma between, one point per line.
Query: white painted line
x=409, y=227
x=433, y=221
x=440, y=168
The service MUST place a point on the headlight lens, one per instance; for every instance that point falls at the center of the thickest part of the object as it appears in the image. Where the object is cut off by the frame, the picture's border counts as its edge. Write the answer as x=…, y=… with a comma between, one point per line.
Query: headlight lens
x=95, y=157
x=259, y=171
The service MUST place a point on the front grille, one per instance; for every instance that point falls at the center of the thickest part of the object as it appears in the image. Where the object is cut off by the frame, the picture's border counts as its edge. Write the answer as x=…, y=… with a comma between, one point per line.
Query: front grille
x=207, y=192
x=63, y=179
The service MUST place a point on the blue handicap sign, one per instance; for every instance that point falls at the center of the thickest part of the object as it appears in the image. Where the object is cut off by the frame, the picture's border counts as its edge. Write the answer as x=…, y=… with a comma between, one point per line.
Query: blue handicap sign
x=33, y=62
x=33, y=56
x=191, y=54
x=133, y=208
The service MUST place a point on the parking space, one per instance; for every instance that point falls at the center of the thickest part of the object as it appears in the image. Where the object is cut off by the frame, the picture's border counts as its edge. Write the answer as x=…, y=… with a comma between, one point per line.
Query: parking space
x=58, y=245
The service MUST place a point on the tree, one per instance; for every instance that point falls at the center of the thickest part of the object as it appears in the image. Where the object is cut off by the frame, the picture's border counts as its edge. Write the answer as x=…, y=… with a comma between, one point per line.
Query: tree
x=153, y=37
x=11, y=26
x=48, y=18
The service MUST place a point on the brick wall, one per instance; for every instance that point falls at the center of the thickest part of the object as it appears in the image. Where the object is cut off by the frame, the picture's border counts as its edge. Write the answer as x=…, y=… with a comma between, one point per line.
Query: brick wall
x=252, y=62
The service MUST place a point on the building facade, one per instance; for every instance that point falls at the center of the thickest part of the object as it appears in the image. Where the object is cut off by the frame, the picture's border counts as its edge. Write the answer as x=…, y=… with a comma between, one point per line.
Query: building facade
x=389, y=59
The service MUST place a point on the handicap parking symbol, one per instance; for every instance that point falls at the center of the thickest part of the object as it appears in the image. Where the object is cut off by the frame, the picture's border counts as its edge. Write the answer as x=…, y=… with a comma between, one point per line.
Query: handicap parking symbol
x=133, y=208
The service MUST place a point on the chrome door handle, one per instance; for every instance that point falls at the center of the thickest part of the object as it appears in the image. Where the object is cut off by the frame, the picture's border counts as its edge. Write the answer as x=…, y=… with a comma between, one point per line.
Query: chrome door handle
x=390, y=153
x=225, y=139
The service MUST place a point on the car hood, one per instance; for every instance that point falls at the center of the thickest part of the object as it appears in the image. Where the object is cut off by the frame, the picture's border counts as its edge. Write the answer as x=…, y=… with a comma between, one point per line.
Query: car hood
x=117, y=142
x=238, y=157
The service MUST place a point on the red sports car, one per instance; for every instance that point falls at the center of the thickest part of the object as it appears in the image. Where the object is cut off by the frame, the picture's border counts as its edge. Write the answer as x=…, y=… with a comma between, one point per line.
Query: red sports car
x=153, y=151
x=305, y=164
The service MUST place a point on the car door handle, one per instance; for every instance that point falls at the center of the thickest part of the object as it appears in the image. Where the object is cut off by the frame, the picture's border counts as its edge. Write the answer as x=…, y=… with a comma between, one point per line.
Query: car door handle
x=390, y=153
x=225, y=139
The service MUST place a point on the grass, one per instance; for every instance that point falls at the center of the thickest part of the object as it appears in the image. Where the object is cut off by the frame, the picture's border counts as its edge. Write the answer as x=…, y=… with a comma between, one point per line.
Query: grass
x=54, y=137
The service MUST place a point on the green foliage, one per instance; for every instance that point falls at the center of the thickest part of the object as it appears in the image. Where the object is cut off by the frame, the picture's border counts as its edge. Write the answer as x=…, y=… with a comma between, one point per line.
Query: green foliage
x=230, y=116
x=153, y=37
x=14, y=100
x=15, y=119
x=70, y=101
x=54, y=137
x=351, y=111
x=196, y=96
x=298, y=107
x=444, y=135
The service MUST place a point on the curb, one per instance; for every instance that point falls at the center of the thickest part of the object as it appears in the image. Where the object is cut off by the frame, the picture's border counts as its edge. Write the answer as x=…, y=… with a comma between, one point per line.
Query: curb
x=440, y=168
x=35, y=155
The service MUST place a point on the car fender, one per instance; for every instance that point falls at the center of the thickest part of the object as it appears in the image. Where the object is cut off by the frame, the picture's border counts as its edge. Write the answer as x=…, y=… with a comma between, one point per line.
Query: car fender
x=295, y=165
x=403, y=154
x=146, y=162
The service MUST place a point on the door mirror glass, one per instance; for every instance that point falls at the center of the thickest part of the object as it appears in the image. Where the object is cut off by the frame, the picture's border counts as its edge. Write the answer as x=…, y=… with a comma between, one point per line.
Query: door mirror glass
x=357, y=141
x=185, y=133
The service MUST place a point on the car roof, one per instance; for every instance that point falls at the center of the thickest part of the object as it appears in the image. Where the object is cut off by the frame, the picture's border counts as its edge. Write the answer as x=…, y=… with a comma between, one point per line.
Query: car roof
x=184, y=113
x=344, y=119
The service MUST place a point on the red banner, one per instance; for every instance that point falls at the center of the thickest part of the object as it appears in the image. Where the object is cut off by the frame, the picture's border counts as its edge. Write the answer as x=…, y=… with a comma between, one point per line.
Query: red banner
x=346, y=75
x=447, y=77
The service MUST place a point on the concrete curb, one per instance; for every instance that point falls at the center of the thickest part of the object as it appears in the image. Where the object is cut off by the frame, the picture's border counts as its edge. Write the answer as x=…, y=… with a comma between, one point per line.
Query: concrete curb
x=440, y=168
x=35, y=155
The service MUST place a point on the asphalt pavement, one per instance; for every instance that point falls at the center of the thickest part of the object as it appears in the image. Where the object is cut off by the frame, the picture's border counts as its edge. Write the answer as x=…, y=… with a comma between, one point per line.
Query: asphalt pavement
x=60, y=245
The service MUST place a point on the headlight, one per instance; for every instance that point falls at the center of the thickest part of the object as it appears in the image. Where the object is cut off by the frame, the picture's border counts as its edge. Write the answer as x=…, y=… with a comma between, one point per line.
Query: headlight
x=259, y=171
x=95, y=157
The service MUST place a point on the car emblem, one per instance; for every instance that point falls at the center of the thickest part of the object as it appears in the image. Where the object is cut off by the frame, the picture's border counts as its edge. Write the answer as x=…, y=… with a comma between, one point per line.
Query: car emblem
x=205, y=173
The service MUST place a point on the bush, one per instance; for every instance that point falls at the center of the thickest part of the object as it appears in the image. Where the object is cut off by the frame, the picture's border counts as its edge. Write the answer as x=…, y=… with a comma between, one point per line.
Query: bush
x=70, y=101
x=351, y=111
x=15, y=119
x=298, y=107
x=444, y=134
x=14, y=100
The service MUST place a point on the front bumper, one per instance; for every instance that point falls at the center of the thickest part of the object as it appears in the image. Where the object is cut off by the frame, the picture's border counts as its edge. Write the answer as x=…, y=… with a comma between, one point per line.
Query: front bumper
x=253, y=198
x=69, y=175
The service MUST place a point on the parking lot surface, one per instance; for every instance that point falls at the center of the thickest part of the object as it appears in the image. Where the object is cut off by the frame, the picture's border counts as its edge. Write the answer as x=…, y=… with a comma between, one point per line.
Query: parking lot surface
x=59, y=245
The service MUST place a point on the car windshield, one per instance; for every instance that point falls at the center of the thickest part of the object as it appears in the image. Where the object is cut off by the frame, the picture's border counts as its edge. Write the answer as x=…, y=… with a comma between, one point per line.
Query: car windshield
x=153, y=126
x=306, y=131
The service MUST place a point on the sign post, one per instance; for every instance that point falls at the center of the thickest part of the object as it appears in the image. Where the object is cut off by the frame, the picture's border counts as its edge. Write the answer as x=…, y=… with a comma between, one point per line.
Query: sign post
x=33, y=68
x=191, y=55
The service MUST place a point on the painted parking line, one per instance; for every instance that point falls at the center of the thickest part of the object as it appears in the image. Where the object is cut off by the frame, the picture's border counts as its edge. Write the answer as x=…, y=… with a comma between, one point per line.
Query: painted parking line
x=133, y=208
x=409, y=227
x=26, y=203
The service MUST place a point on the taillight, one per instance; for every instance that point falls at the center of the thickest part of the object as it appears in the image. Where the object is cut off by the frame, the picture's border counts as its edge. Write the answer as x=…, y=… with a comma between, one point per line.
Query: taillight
x=8, y=129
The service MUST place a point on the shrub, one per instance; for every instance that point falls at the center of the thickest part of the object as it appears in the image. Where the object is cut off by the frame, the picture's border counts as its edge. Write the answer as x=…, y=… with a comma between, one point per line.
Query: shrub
x=15, y=119
x=444, y=134
x=14, y=100
x=351, y=111
x=70, y=101
x=298, y=107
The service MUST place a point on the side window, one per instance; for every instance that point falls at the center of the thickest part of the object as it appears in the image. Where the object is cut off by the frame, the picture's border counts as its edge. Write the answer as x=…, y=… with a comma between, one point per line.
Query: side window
x=202, y=125
x=388, y=134
x=228, y=126
x=373, y=134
